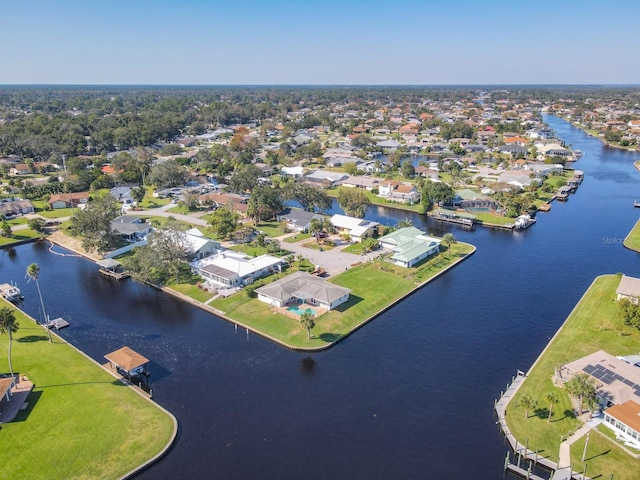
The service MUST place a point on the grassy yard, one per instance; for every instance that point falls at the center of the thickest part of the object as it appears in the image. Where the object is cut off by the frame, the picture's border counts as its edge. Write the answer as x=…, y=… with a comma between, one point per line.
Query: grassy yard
x=270, y=229
x=80, y=422
x=190, y=289
x=493, y=219
x=19, y=236
x=594, y=325
x=633, y=239
x=373, y=285
x=296, y=237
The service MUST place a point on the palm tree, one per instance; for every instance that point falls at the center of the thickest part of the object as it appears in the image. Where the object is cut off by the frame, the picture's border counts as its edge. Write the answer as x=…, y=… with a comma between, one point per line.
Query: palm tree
x=528, y=402
x=8, y=325
x=315, y=227
x=307, y=321
x=581, y=386
x=449, y=240
x=552, y=398
x=33, y=271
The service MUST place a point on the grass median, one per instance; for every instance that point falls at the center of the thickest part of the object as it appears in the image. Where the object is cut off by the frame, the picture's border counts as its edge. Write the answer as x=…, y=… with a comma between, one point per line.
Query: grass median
x=80, y=421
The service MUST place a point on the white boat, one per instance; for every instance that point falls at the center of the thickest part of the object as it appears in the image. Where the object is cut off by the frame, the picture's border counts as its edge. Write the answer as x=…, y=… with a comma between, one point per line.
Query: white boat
x=10, y=292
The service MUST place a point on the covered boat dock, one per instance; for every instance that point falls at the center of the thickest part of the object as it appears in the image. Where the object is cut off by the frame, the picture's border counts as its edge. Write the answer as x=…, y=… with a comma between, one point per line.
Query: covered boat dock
x=131, y=365
x=112, y=268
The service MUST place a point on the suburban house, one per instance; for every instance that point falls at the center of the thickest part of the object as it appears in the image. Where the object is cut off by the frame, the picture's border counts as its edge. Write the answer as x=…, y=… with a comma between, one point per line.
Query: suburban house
x=68, y=200
x=616, y=380
x=19, y=169
x=201, y=246
x=294, y=172
x=122, y=194
x=302, y=287
x=130, y=228
x=234, y=269
x=367, y=183
x=298, y=220
x=399, y=192
x=16, y=207
x=323, y=178
x=410, y=245
x=628, y=289
x=356, y=228
x=624, y=420
x=470, y=200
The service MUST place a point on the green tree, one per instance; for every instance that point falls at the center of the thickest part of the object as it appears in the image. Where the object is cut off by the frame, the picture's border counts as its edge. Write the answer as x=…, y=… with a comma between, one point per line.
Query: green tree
x=552, y=398
x=315, y=227
x=223, y=222
x=189, y=200
x=580, y=387
x=245, y=180
x=5, y=229
x=167, y=174
x=138, y=194
x=172, y=247
x=308, y=322
x=33, y=273
x=351, y=169
x=353, y=201
x=407, y=169
x=528, y=403
x=448, y=241
x=311, y=198
x=405, y=223
x=36, y=224
x=93, y=223
x=264, y=203
x=8, y=325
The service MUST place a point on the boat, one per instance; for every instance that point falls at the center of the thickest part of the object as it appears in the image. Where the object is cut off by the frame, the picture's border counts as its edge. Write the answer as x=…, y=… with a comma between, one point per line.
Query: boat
x=10, y=292
x=524, y=221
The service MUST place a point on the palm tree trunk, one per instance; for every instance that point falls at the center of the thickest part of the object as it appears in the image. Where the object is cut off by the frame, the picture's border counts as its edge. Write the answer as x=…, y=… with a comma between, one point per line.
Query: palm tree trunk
x=44, y=314
x=10, y=341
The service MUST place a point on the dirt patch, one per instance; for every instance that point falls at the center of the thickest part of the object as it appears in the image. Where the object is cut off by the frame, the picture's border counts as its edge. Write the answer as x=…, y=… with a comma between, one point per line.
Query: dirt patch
x=73, y=244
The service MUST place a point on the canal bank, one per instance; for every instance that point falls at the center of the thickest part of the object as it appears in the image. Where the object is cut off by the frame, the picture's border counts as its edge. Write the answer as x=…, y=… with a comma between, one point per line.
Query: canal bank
x=418, y=384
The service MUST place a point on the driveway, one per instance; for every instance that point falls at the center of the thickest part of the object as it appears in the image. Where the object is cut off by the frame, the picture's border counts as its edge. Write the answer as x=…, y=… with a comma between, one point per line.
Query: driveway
x=333, y=261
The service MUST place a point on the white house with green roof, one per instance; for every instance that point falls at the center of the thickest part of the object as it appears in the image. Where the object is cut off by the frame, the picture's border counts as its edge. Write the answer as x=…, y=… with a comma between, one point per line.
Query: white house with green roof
x=410, y=245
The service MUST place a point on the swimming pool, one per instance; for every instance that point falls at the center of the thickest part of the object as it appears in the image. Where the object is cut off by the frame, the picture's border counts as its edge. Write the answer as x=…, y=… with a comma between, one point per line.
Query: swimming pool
x=299, y=311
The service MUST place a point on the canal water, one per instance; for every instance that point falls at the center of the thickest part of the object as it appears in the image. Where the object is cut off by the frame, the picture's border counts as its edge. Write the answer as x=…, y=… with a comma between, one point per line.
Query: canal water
x=408, y=396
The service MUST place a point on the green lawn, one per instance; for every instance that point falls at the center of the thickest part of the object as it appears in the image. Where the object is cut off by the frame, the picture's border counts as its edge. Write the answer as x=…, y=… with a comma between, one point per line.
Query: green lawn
x=594, y=325
x=270, y=229
x=633, y=239
x=191, y=289
x=297, y=237
x=374, y=199
x=80, y=422
x=19, y=236
x=488, y=218
x=373, y=285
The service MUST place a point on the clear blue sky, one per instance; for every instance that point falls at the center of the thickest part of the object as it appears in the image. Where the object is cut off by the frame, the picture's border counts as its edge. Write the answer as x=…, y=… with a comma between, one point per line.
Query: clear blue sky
x=319, y=42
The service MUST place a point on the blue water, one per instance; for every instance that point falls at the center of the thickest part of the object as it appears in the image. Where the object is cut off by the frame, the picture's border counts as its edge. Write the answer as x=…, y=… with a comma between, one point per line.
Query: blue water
x=299, y=311
x=408, y=396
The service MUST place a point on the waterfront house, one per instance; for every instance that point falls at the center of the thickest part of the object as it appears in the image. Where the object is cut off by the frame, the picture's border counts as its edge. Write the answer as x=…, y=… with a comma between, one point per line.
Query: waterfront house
x=624, y=420
x=628, y=289
x=234, y=269
x=68, y=200
x=130, y=228
x=410, y=245
x=199, y=245
x=614, y=379
x=301, y=287
x=397, y=191
x=356, y=228
x=298, y=220
x=470, y=200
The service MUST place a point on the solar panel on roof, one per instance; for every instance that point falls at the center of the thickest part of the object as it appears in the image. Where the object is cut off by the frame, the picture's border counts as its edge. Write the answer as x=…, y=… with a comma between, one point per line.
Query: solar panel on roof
x=637, y=393
x=589, y=369
x=608, y=379
x=628, y=382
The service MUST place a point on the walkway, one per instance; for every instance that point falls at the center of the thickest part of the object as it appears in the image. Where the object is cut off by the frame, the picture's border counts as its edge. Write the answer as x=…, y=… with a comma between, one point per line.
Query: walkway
x=562, y=469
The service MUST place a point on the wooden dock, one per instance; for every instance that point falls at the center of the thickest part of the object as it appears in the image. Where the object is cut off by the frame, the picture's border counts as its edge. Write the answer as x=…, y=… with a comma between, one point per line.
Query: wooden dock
x=520, y=451
x=113, y=274
x=58, y=323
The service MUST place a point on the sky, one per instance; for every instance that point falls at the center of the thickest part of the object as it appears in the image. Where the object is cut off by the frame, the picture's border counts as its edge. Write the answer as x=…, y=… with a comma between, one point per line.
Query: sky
x=331, y=42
